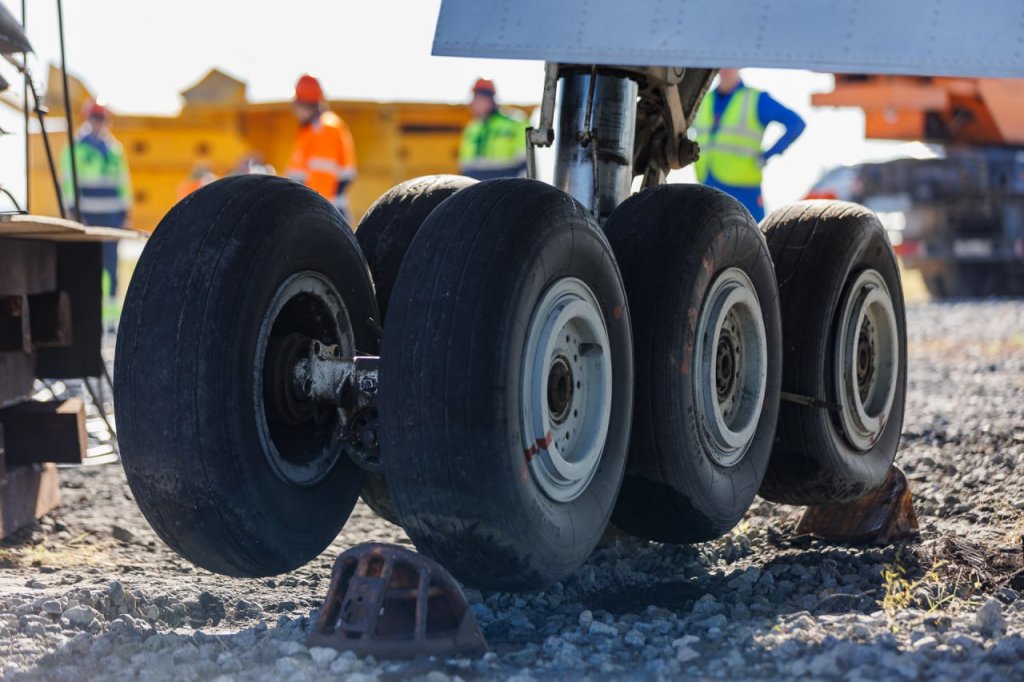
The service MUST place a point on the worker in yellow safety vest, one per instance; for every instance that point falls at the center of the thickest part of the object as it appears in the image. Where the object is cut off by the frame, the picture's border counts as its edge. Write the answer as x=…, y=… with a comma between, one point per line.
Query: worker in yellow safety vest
x=200, y=176
x=730, y=127
x=324, y=156
x=104, y=192
x=494, y=143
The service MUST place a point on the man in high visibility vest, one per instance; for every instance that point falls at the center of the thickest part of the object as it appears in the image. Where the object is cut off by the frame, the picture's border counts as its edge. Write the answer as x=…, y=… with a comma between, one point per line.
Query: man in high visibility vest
x=324, y=156
x=730, y=128
x=104, y=189
x=494, y=143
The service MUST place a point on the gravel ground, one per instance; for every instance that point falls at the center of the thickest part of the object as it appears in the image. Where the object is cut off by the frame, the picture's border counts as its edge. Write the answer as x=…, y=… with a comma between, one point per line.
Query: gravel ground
x=90, y=593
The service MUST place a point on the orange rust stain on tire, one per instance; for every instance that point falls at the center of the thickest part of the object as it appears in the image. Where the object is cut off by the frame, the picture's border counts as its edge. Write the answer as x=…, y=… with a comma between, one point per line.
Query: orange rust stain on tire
x=684, y=366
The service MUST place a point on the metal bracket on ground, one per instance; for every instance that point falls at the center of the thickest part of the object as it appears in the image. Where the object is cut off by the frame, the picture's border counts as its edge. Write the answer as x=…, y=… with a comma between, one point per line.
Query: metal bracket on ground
x=390, y=602
x=881, y=517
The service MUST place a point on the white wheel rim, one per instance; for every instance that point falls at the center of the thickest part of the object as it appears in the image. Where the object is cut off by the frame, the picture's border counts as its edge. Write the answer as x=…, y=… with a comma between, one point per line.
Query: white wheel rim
x=566, y=391
x=866, y=360
x=731, y=353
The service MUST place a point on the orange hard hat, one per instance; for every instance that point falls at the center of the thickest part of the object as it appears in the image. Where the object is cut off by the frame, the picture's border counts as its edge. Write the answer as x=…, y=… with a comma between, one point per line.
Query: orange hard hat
x=94, y=109
x=484, y=86
x=308, y=90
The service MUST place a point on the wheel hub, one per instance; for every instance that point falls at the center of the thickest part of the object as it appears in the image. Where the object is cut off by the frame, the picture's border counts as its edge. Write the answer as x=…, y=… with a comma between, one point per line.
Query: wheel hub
x=566, y=389
x=301, y=440
x=560, y=389
x=731, y=377
x=727, y=363
x=866, y=360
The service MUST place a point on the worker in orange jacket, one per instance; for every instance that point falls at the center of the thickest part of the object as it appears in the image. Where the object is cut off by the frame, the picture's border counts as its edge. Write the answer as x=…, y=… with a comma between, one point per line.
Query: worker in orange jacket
x=324, y=156
x=200, y=176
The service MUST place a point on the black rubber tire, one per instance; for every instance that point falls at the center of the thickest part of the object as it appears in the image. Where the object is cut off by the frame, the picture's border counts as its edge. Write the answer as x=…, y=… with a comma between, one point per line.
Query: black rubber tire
x=450, y=374
x=819, y=248
x=389, y=226
x=671, y=242
x=384, y=235
x=184, y=374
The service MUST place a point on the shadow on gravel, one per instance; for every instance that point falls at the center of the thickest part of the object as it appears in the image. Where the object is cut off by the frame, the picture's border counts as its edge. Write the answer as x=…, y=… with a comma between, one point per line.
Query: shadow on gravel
x=670, y=594
x=811, y=569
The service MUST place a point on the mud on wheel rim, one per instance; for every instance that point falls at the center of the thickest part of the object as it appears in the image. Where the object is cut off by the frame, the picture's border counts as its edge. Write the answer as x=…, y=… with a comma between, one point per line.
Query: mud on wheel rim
x=301, y=441
x=866, y=360
x=566, y=389
x=732, y=367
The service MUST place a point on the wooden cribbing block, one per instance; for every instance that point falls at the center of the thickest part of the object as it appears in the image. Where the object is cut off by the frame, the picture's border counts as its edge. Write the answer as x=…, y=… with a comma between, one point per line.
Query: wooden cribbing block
x=52, y=431
x=26, y=493
x=50, y=319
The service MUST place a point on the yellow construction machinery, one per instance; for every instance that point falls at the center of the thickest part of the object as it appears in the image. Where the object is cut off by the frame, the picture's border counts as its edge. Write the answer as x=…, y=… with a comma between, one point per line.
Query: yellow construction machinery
x=219, y=126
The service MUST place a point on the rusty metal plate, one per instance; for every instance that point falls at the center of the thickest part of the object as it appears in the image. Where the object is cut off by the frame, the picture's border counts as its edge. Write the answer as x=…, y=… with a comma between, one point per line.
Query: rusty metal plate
x=390, y=602
x=881, y=517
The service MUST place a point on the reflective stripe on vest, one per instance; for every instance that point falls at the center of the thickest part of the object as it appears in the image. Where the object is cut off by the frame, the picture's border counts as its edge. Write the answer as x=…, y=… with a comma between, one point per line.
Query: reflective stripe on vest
x=732, y=153
x=320, y=164
x=103, y=204
x=101, y=195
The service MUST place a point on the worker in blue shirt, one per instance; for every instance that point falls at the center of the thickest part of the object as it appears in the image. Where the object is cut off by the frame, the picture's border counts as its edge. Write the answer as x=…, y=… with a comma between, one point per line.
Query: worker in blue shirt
x=730, y=127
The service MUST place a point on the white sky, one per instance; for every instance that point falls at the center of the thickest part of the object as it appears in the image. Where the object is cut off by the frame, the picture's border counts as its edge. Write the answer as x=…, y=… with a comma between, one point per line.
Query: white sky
x=137, y=55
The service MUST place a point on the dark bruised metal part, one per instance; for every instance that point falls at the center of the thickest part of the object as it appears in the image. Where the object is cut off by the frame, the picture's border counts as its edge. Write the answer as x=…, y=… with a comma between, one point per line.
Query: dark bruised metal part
x=667, y=106
x=322, y=375
x=362, y=440
x=809, y=401
x=390, y=602
x=359, y=400
x=881, y=517
x=284, y=402
x=305, y=380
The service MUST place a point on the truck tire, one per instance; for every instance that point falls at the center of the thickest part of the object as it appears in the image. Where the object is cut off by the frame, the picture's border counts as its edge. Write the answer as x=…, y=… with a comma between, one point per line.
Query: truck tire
x=384, y=235
x=506, y=385
x=845, y=357
x=706, y=329
x=222, y=476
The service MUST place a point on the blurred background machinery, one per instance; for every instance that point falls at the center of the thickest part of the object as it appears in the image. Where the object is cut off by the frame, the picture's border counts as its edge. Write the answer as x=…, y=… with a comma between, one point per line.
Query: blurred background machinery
x=957, y=216
x=219, y=128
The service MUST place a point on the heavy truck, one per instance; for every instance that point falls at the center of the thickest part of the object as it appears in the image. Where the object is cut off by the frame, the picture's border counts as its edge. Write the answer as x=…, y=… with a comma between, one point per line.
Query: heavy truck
x=505, y=367
x=957, y=218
